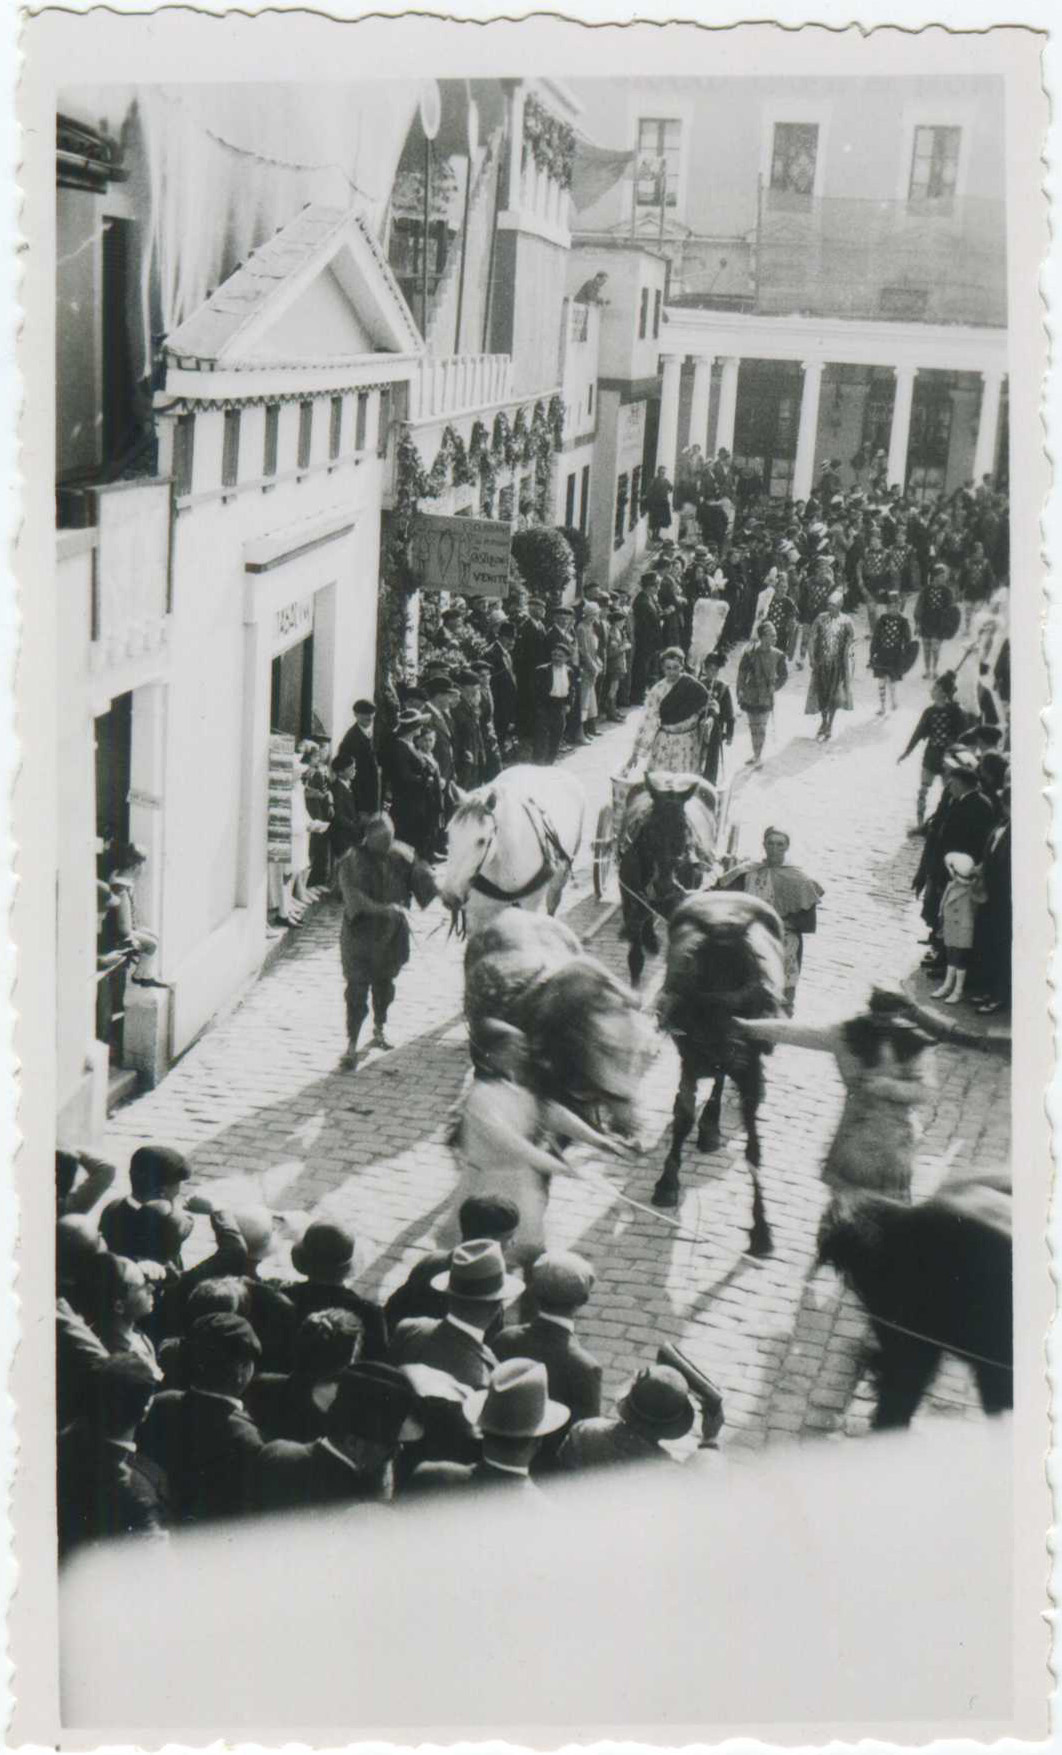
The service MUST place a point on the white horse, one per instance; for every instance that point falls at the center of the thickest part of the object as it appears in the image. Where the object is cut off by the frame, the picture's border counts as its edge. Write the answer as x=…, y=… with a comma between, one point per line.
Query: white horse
x=512, y=843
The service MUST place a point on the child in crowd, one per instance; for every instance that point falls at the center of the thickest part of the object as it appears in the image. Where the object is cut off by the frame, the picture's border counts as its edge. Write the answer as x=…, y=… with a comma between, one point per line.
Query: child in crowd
x=958, y=910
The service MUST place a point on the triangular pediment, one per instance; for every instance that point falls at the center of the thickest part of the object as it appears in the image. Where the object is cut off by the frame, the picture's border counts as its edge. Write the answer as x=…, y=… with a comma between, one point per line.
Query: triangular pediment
x=319, y=292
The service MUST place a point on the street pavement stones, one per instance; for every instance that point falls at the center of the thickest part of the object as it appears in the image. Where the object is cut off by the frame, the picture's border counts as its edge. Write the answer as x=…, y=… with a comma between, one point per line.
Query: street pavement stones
x=264, y=1113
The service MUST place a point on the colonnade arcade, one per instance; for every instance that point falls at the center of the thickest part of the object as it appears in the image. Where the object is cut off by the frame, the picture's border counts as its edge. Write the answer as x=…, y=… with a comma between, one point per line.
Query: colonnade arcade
x=787, y=394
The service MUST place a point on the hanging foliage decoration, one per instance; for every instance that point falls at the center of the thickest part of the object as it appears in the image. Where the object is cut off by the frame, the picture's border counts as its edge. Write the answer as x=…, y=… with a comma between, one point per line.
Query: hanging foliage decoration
x=522, y=445
x=502, y=440
x=549, y=142
x=529, y=439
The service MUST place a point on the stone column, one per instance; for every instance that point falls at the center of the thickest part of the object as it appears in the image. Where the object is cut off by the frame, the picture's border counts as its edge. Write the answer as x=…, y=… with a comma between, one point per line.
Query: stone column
x=987, y=426
x=804, y=466
x=728, y=388
x=702, y=389
x=667, y=437
x=900, y=431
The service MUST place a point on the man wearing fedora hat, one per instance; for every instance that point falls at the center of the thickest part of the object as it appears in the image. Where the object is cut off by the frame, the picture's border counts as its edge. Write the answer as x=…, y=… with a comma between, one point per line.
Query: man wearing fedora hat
x=477, y=1288
x=657, y=1407
x=560, y=1283
x=511, y=1416
x=373, y=1415
x=378, y=882
x=412, y=789
x=493, y=1216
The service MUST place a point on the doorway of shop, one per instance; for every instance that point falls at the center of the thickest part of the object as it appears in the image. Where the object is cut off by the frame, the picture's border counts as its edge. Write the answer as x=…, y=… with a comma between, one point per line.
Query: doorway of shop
x=291, y=691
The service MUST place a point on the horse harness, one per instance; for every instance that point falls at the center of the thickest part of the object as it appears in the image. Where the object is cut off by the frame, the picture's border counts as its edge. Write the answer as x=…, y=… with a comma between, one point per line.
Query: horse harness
x=552, y=851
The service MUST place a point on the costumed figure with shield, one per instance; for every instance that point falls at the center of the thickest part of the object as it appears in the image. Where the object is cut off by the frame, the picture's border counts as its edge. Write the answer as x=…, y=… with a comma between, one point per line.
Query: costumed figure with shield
x=892, y=651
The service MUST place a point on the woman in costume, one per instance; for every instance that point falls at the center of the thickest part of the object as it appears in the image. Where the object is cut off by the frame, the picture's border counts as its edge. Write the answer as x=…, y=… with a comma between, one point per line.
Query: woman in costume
x=671, y=735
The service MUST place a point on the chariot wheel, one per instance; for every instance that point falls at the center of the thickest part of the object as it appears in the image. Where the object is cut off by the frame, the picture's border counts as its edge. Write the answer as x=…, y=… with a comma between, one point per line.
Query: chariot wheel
x=603, y=850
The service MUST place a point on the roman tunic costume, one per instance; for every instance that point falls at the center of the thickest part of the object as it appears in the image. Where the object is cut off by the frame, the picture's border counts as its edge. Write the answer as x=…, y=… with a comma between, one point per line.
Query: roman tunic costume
x=671, y=735
x=832, y=653
x=934, y=611
x=889, y=645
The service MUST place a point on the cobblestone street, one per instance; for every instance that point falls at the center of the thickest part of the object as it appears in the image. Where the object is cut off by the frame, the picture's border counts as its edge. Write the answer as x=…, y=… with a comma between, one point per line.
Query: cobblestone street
x=264, y=1113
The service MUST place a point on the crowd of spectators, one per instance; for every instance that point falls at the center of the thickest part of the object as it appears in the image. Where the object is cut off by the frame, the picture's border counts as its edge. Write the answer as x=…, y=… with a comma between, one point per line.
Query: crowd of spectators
x=187, y=1394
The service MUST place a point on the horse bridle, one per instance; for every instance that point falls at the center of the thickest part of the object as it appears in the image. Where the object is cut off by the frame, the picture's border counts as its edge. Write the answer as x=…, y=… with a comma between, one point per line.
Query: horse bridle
x=546, y=835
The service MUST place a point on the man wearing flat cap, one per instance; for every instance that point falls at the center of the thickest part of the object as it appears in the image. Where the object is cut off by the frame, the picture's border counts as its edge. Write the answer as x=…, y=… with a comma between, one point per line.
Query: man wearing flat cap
x=560, y=1283
x=470, y=757
x=357, y=746
x=203, y=1438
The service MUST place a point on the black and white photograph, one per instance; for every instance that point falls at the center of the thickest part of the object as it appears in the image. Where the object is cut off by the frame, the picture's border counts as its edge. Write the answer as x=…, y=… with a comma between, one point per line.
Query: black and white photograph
x=539, y=621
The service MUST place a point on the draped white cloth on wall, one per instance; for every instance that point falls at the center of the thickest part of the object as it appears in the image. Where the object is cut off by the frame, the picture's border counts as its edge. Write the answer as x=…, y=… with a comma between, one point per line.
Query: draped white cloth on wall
x=215, y=170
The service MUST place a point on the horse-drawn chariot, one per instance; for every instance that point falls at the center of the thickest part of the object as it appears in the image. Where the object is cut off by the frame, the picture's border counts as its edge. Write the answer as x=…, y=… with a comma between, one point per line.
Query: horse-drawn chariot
x=629, y=804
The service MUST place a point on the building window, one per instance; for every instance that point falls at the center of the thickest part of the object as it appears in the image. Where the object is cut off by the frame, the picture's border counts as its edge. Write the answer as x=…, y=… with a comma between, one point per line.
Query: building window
x=580, y=325
x=934, y=167
x=569, y=501
x=589, y=401
x=183, y=453
x=643, y=314
x=505, y=504
x=272, y=428
x=584, y=499
x=636, y=496
x=619, y=529
x=793, y=158
x=658, y=302
x=335, y=428
x=305, y=434
x=659, y=161
x=362, y=422
x=230, y=449
x=384, y=431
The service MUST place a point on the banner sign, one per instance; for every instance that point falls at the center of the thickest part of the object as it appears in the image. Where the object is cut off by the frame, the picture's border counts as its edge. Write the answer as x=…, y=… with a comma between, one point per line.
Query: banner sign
x=468, y=556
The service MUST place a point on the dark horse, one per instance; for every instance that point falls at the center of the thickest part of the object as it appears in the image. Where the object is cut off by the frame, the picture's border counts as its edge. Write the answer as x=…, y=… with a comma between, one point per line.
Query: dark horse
x=934, y=1278
x=724, y=962
x=669, y=834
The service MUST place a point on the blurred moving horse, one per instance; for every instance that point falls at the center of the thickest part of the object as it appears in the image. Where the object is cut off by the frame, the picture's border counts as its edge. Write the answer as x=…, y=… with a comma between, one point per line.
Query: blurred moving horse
x=512, y=844
x=724, y=963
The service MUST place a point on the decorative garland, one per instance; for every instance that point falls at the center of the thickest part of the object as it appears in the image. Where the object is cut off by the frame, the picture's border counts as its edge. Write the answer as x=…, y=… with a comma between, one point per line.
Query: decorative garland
x=549, y=141
x=525, y=441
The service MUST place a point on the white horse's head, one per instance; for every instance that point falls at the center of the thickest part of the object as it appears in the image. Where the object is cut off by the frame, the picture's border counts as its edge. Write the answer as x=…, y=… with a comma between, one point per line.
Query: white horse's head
x=471, y=836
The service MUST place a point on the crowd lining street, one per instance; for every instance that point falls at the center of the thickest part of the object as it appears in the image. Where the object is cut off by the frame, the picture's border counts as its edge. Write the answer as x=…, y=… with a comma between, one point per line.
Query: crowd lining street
x=263, y=1112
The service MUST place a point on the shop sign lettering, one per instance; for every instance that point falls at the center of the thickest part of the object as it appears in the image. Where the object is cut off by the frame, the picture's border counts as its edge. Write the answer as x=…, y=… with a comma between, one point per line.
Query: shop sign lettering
x=468, y=556
x=292, y=623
